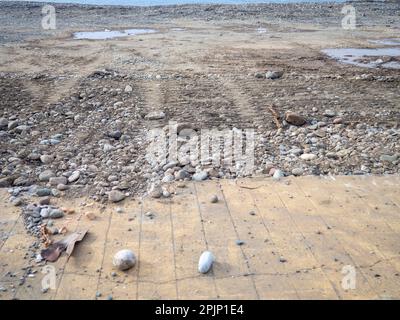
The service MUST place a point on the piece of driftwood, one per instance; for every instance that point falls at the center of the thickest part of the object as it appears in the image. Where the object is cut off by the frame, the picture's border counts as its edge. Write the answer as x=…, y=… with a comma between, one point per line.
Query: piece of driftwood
x=67, y=244
x=275, y=116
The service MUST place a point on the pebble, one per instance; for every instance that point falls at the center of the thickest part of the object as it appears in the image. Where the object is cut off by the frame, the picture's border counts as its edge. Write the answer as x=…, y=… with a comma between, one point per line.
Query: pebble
x=389, y=158
x=55, y=181
x=273, y=75
x=17, y=202
x=46, y=175
x=239, y=242
x=214, y=199
x=297, y=171
x=155, y=115
x=206, y=261
x=329, y=113
x=44, y=201
x=3, y=123
x=156, y=192
x=56, y=213
x=116, y=196
x=294, y=118
x=278, y=174
x=43, y=192
x=124, y=259
x=62, y=187
x=74, y=176
x=46, y=159
x=308, y=156
x=128, y=88
x=200, y=176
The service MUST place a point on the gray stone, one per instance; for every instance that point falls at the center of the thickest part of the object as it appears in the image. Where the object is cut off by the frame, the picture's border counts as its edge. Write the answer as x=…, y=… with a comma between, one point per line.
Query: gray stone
x=124, y=259
x=74, y=176
x=44, y=213
x=200, y=176
x=46, y=175
x=181, y=174
x=273, y=75
x=12, y=124
x=116, y=196
x=46, y=158
x=168, y=178
x=3, y=123
x=308, y=156
x=278, y=174
x=155, y=115
x=388, y=158
x=56, y=213
x=62, y=187
x=329, y=113
x=43, y=192
x=214, y=199
x=55, y=181
x=297, y=171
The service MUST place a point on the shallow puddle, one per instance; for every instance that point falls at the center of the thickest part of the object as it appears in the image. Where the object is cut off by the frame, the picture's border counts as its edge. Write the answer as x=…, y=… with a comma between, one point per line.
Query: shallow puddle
x=108, y=34
x=368, y=58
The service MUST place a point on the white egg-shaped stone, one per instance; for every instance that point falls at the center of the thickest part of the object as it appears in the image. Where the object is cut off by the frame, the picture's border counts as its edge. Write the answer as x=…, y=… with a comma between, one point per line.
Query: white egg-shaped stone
x=205, y=262
x=124, y=259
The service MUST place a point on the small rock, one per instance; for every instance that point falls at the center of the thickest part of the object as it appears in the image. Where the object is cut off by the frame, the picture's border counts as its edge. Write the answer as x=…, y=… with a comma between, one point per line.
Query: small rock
x=166, y=194
x=56, y=213
x=44, y=201
x=90, y=215
x=329, y=113
x=294, y=118
x=128, y=88
x=108, y=147
x=46, y=175
x=46, y=158
x=278, y=174
x=124, y=259
x=12, y=124
x=150, y=215
x=43, y=192
x=337, y=121
x=205, y=262
x=200, y=176
x=55, y=181
x=297, y=171
x=308, y=156
x=274, y=75
x=17, y=202
x=168, y=178
x=116, y=196
x=214, y=199
x=116, y=134
x=388, y=158
x=155, y=115
x=239, y=242
x=74, y=176
x=3, y=123
x=62, y=187
x=156, y=192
